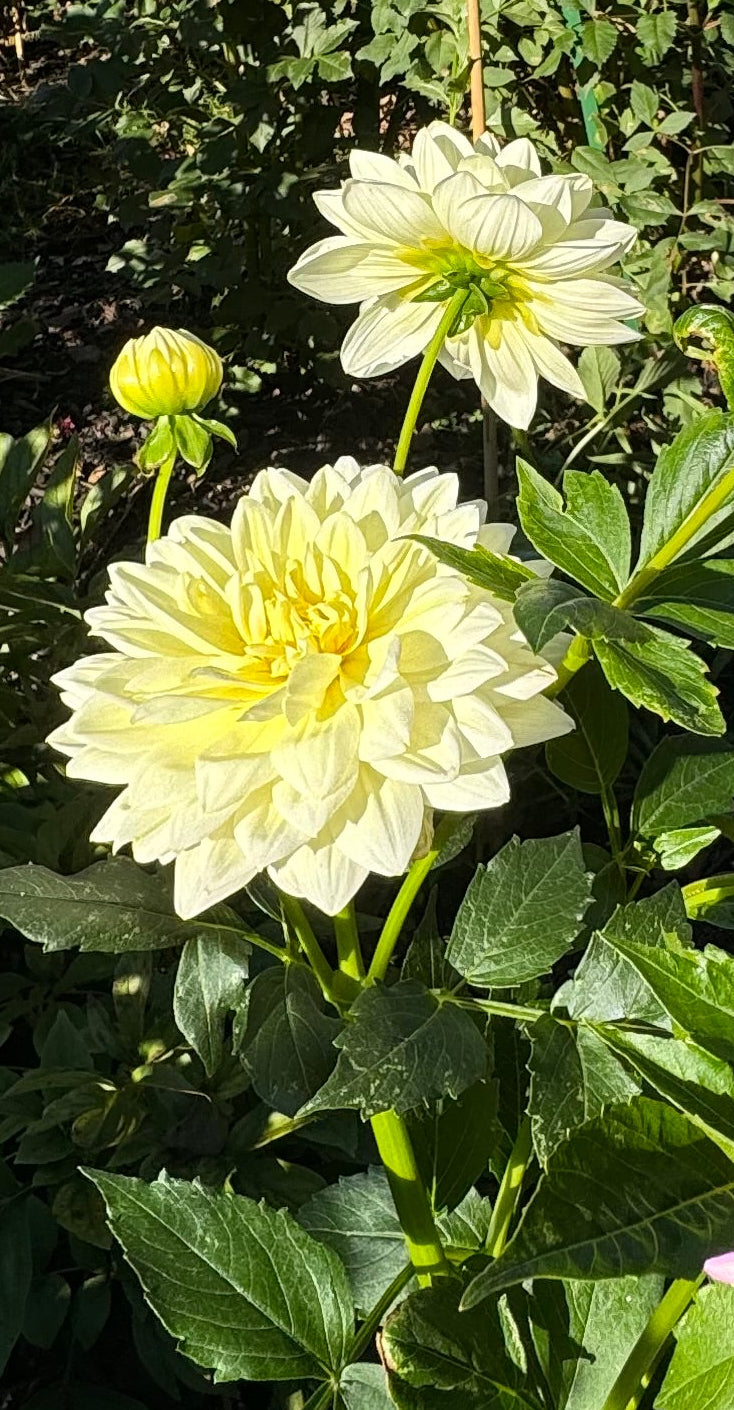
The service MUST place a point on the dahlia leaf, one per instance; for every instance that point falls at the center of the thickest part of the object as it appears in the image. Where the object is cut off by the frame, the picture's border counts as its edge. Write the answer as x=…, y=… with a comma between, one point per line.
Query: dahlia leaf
x=209, y=981
x=638, y=1190
x=665, y=676
x=685, y=780
x=243, y=1288
x=695, y=461
x=437, y=1355
x=403, y=1046
x=695, y=988
x=588, y=538
x=701, y=1373
x=493, y=571
x=698, y=1084
x=573, y=1077
x=285, y=1036
x=357, y=1219
x=603, y=1319
x=590, y=759
x=521, y=912
x=698, y=596
x=113, y=906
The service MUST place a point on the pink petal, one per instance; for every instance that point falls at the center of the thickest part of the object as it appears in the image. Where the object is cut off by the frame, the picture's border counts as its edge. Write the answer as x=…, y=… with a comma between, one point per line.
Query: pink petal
x=721, y=1268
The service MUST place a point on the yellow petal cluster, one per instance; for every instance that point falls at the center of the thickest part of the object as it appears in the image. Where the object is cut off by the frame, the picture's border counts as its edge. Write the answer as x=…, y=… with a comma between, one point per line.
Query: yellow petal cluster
x=168, y=372
x=299, y=690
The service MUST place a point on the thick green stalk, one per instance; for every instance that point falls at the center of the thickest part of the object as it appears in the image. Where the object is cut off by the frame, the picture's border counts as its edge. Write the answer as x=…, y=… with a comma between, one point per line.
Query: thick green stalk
x=637, y=1372
x=160, y=490
x=348, y=948
x=398, y=912
x=298, y=921
x=713, y=500
x=509, y=1190
x=430, y=358
x=409, y=1193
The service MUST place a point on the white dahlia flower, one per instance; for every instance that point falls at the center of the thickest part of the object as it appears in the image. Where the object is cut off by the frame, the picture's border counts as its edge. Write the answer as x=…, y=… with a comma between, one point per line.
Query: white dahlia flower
x=528, y=250
x=297, y=691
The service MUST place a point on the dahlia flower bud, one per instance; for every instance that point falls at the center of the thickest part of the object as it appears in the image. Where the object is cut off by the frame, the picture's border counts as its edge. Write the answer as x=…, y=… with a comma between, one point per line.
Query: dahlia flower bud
x=168, y=372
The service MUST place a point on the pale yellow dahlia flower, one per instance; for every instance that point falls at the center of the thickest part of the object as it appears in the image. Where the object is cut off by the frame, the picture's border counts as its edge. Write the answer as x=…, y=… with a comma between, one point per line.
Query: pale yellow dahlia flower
x=167, y=372
x=484, y=219
x=297, y=691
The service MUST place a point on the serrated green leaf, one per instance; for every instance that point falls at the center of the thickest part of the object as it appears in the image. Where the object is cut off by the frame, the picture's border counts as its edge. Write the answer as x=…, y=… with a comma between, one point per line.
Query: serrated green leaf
x=591, y=757
x=403, y=1046
x=696, y=596
x=572, y=1080
x=644, y=102
x=598, y=40
x=606, y=988
x=454, y=1141
x=685, y=781
x=363, y=1386
x=495, y=572
x=696, y=989
x=584, y=1339
x=209, y=984
x=701, y=1373
x=656, y=32
x=243, y=1288
x=698, y=1084
x=638, y=1190
x=677, y=848
x=545, y=608
x=665, y=676
x=696, y=460
x=589, y=538
x=440, y=1357
x=521, y=912
x=357, y=1219
x=112, y=906
x=599, y=369
x=285, y=1036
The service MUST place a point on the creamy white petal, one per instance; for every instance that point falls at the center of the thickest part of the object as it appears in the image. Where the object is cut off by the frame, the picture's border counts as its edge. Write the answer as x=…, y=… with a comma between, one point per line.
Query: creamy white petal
x=207, y=874
x=386, y=334
x=520, y=153
x=480, y=785
x=380, y=825
x=391, y=215
x=339, y=271
x=373, y=166
x=321, y=874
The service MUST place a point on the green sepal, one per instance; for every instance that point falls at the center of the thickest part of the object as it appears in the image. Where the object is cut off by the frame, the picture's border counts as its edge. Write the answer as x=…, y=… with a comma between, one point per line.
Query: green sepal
x=193, y=442
x=159, y=446
x=217, y=428
x=437, y=293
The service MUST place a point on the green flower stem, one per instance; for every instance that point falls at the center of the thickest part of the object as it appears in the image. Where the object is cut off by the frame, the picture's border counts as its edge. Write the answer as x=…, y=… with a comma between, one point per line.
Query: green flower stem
x=510, y=1190
x=374, y=1318
x=578, y=653
x=398, y=912
x=297, y=919
x=522, y=1013
x=351, y=964
x=713, y=500
x=409, y=1193
x=157, y=503
x=637, y=1372
x=699, y=895
x=430, y=358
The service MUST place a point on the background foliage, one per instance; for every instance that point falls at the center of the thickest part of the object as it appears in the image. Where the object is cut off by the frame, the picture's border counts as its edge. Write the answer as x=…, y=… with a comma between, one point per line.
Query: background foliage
x=157, y=163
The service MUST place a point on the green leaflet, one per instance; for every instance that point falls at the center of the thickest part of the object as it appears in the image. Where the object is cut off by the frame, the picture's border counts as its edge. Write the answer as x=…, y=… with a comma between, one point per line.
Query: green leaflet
x=277, y=1302
x=638, y=1190
x=521, y=912
x=403, y=1046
